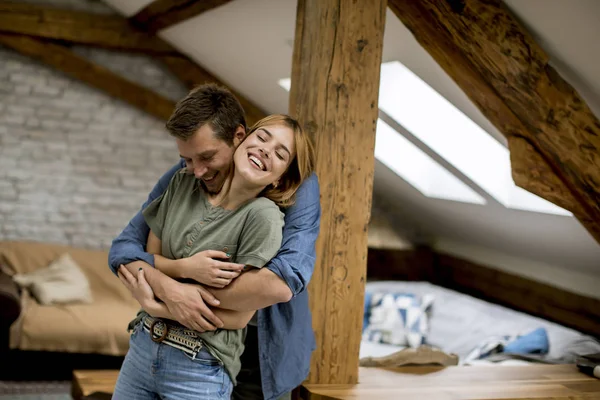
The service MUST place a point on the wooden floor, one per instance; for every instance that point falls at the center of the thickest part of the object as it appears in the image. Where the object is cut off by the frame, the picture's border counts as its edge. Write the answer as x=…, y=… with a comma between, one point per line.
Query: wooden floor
x=461, y=383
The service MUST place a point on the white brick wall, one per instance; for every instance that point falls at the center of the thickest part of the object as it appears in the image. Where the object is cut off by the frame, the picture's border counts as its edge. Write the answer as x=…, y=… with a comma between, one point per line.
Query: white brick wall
x=76, y=164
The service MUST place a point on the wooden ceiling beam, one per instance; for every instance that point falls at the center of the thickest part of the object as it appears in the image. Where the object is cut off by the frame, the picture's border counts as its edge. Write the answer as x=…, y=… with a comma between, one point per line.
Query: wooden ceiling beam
x=109, y=31
x=94, y=75
x=496, y=62
x=161, y=14
x=191, y=74
x=533, y=173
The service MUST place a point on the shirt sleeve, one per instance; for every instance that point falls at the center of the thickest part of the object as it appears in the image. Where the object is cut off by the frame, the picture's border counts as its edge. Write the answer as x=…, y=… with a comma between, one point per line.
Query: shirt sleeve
x=130, y=245
x=261, y=236
x=295, y=261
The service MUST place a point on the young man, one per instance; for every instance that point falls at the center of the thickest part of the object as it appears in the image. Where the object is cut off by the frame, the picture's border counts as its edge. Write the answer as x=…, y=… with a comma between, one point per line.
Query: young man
x=280, y=341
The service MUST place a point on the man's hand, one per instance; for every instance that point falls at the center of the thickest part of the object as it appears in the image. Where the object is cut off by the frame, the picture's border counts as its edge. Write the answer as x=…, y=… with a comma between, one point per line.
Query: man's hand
x=141, y=290
x=203, y=267
x=186, y=302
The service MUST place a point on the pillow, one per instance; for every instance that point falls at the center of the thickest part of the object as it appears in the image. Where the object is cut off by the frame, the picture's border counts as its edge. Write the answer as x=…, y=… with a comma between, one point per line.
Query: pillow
x=400, y=319
x=62, y=282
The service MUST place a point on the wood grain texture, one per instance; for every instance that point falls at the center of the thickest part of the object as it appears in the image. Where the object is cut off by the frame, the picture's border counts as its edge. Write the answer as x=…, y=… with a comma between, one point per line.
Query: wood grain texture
x=400, y=265
x=107, y=31
x=499, y=66
x=86, y=382
x=533, y=173
x=161, y=14
x=335, y=84
x=562, y=382
x=191, y=74
x=113, y=32
x=94, y=75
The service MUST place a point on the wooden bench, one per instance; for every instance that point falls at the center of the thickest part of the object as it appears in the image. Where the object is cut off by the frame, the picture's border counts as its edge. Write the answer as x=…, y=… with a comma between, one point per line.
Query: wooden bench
x=86, y=382
x=416, y=383
x=461, y=383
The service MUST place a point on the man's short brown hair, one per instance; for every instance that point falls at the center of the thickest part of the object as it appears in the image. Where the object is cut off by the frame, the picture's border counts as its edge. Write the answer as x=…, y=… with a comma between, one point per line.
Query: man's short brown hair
x=207, y=104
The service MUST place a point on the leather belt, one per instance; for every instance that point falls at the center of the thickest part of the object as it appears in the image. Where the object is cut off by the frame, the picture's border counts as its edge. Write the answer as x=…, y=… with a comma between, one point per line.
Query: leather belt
x=172, y=335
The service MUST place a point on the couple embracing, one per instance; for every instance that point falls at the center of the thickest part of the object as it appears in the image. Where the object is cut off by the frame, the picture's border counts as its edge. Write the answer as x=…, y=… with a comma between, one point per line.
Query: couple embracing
x=219, y=258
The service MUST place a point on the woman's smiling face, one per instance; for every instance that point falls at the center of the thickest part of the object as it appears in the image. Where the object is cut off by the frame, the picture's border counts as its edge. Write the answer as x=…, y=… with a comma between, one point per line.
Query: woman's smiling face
x=264, y=156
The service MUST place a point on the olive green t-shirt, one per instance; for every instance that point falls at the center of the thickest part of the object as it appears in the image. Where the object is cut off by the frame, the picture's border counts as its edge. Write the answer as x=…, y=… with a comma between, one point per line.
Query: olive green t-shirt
x=187, y=223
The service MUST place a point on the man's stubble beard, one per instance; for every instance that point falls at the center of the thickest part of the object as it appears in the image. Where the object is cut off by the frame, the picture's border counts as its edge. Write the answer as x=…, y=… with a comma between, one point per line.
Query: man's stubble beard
x=209, y=190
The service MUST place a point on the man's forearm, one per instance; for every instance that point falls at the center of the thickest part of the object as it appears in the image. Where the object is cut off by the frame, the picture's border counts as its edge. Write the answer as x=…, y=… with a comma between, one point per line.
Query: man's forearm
x=231, y=319
x=253, y=290
x=157, y=280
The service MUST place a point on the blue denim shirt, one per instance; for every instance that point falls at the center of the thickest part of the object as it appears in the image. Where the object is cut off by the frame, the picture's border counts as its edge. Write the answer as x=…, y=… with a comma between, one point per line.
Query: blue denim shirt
x=285, y=335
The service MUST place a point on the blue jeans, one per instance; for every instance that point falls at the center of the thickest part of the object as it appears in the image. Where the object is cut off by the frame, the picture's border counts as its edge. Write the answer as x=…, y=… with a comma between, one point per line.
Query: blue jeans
x=158, y=371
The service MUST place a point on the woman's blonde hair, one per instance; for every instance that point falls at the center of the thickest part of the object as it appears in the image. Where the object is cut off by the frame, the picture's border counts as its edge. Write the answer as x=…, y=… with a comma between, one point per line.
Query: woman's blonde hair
x=302, y=165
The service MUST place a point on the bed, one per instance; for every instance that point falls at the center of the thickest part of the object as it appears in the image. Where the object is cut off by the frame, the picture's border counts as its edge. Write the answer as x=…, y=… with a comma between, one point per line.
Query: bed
x=459, y=324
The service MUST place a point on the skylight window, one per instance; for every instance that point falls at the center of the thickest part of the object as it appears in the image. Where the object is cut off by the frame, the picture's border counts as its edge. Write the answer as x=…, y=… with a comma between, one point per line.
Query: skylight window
x=415, y=166
x=446, y=130
x=439, y=125
x=419, y=169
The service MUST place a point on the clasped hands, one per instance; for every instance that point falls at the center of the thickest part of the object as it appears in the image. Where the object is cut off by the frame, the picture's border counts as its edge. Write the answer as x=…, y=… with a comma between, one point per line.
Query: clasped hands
x=185, y=302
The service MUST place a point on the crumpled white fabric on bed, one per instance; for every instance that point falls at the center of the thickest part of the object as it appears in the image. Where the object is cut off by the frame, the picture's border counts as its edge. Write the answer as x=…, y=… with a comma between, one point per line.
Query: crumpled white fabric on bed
x=460, y=322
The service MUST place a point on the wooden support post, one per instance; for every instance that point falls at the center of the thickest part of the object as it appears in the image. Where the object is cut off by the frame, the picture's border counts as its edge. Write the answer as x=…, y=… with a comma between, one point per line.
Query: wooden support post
x=335, y=86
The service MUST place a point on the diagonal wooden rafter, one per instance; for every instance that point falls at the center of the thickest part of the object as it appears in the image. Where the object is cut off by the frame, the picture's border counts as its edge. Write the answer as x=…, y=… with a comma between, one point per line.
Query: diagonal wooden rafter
x=99, y=77
x=191, y=75
x=109, y=31
x=56, y=26
x=496, y=62
x=161, y=14
x=531, y=171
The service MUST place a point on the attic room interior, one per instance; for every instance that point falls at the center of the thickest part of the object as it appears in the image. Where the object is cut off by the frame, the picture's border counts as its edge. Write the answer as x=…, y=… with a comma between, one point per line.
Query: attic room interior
x=453, y=251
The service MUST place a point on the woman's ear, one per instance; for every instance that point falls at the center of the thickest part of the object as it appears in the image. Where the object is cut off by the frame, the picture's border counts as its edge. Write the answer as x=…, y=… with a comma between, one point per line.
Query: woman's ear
x=275, y=184
x=239, y=135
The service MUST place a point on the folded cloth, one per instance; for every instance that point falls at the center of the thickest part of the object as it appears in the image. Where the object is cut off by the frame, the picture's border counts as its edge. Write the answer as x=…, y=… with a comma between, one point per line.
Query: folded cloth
x=423, y=355
x=534, y=342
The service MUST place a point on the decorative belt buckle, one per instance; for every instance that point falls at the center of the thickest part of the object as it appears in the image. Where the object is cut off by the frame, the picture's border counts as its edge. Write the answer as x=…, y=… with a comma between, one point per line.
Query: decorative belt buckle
x=163, y=336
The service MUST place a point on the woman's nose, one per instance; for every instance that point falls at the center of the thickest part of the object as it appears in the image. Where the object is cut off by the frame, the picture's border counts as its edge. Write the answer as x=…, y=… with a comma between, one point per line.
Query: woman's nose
x=264, y=152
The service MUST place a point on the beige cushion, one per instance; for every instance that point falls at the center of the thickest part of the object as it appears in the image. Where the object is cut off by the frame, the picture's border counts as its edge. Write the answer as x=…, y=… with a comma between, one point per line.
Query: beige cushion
x=62, y=282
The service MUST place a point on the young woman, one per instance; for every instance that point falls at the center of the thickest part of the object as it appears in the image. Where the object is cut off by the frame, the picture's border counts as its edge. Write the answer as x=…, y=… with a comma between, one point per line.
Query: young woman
x=165, y=359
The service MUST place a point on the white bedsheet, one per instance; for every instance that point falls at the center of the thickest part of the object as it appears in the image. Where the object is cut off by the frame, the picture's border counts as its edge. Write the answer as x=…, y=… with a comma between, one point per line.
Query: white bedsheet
x=460, y=322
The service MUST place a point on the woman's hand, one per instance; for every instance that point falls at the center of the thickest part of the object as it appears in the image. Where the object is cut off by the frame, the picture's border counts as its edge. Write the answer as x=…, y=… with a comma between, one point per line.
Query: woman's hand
x=204, y=268
x=142, y=292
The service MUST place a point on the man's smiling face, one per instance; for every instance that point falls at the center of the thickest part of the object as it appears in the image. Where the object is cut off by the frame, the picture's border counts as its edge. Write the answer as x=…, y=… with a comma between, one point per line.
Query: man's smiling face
x=207, y=157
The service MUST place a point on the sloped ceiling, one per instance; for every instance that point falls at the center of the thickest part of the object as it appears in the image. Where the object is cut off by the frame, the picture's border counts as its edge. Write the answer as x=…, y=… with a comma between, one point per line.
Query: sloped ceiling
x=248, y=44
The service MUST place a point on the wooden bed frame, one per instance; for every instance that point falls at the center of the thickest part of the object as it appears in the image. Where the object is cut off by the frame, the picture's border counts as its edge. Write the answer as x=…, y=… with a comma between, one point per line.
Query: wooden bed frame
x=422, y=264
